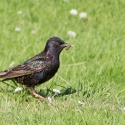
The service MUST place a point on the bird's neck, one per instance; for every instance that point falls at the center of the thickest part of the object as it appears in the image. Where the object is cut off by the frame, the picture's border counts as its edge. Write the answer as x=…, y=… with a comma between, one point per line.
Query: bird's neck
x=53, y=57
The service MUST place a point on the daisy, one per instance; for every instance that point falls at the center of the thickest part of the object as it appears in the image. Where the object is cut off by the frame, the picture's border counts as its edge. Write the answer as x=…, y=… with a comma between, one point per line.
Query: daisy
x=81, y=103
x=17, y=29
x=56, y=91
x=18, y=89
x=83, y=15
x=72, y=34
x=19, y=12
x=73, y=12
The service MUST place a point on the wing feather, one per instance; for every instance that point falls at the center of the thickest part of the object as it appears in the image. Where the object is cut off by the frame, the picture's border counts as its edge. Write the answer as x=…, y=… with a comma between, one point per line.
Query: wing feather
x=25, y=68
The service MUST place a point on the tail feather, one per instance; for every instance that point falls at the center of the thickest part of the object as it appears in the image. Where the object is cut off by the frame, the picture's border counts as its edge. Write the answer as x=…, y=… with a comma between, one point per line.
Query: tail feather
x=3, y=74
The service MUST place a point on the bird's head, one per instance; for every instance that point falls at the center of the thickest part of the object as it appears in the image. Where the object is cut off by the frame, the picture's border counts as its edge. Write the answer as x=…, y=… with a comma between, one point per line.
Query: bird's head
x=55, y=45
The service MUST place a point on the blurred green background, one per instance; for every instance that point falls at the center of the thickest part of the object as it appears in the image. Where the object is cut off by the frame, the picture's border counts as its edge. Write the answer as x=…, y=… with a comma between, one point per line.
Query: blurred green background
x=91, y=73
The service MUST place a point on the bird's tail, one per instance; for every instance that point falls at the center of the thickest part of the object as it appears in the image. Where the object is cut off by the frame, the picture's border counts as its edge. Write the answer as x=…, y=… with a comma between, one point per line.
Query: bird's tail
x=3, y=75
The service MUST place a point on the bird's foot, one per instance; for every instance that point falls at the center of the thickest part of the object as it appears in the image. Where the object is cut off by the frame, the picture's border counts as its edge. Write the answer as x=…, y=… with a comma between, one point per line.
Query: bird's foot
x=39, y=96
x=34, y=93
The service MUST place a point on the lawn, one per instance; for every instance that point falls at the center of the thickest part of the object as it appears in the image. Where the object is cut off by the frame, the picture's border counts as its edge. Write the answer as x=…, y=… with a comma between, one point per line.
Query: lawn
x=91, y=77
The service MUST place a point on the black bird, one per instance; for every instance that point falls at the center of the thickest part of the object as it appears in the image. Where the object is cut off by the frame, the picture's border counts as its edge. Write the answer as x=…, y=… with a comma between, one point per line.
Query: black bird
x=39, y=68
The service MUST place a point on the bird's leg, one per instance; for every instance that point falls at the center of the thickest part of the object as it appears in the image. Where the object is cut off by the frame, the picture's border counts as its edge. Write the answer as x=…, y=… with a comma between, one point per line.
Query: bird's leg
x=34, y=93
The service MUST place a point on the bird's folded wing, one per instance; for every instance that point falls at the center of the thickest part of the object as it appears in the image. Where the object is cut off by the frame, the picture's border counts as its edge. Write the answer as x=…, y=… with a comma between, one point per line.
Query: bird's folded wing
x=24, y=69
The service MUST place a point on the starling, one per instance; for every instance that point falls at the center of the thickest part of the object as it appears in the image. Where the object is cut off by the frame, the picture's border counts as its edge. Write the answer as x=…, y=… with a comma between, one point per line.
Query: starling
x=39, y=68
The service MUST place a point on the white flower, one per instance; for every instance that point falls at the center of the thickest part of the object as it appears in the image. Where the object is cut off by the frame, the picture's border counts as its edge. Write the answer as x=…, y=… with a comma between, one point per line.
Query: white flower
x=72, y=34
x=33, y=32
x=19, y=12
x=83, y=15
x=11, y=64
x=56, y=91
x=123, y=108
x=73, y=12
x=81, y=103
x=66, y=0
x=17, y=29
x=66, y=23
x=18, y=89
x=50, y=99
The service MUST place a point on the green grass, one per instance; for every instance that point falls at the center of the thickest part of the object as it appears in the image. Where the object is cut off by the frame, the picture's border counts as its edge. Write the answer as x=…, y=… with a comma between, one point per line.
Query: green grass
x=99, y=81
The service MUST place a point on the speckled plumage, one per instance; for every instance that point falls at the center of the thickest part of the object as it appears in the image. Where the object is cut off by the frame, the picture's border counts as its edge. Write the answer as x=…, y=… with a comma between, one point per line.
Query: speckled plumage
x=39, y=68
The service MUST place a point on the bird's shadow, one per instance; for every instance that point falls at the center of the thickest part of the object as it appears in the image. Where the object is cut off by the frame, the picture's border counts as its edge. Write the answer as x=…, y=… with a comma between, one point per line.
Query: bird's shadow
x=65, y=91
x=48, y=91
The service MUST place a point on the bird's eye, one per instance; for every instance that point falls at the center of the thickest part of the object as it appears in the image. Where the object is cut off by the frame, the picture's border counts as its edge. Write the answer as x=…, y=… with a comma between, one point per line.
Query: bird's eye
x=55, y=44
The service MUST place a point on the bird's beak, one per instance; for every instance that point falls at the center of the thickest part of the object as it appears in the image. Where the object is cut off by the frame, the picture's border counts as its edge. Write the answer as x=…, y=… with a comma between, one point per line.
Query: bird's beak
x=66, y=46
